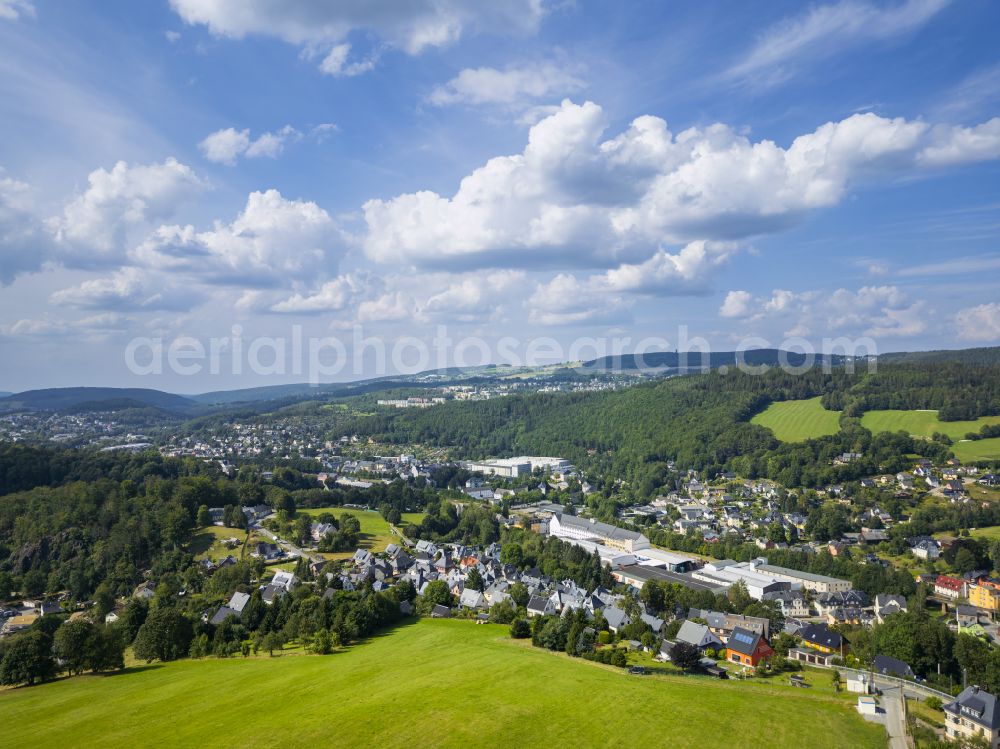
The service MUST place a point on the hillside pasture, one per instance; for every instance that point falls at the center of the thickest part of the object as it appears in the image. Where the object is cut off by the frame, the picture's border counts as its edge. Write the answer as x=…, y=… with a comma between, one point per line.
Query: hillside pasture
x=387, y=692
x=798, y=420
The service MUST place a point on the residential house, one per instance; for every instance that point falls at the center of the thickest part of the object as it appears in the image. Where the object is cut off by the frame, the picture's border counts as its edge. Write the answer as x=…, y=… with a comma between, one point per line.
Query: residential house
x=540, y=606
x=974, y=713
x=950, y=587
x=887, y=666
x=985, y=594
x=966, y=616
x=698, y=635
x=471, y=599
x=821, y=638
x=792, y=603
x=926, y=548
x=887, y=604
x=616, y=618
x=747, y=648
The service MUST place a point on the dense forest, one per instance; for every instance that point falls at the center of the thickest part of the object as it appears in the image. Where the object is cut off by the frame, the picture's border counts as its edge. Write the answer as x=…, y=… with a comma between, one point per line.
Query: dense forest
x=701, y=421
x=78, y=520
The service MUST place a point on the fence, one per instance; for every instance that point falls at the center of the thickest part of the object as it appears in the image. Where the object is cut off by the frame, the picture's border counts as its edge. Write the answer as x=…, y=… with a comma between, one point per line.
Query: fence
x=912, y=685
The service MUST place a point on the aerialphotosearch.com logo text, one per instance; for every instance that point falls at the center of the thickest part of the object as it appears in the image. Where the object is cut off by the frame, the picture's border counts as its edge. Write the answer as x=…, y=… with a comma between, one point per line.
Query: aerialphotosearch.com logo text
x=319, y=359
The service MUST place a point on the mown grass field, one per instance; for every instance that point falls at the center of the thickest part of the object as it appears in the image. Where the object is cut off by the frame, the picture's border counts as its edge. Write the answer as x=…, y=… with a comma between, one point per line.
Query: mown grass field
x=921, y=423
x=439, y=683
x=989, y=533
x=926, y=423
x=375, y=532
x=973, y=450
x=795, y=421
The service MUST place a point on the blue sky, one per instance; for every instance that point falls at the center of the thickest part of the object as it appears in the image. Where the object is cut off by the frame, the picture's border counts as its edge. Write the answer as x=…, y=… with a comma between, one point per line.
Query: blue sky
x=539, y=169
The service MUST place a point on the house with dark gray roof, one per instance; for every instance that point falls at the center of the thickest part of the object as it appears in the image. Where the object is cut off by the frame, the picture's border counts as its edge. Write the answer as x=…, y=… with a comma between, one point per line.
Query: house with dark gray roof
x=887, y=666
x=747, y=647
x=973, y=713
x=540, y=606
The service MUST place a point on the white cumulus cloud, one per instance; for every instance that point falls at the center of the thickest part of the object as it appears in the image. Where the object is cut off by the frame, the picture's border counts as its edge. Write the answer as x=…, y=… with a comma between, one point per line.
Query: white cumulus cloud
x=94, y=225
x=878, y=311
x=227, y=145
x=512, y=86
x=572, y=197
x=411, y=26
x=980, y=323
x=12, y=10
x=272, y=242
x=127, y=289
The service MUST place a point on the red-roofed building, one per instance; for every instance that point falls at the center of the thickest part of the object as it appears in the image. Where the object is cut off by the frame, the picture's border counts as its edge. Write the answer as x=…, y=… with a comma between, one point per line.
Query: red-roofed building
x=950, y=587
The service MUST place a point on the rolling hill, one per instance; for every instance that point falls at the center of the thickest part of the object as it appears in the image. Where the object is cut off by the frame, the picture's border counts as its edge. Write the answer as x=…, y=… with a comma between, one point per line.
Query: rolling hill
x=672, y=361
x=94, y=399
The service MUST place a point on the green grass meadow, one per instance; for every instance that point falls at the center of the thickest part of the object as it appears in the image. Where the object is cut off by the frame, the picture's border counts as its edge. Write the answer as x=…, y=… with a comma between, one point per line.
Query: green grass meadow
x=926, y=423
x=436, y=683
x=375, y=533
x=972, y=450
x=921, y=423
x=795, y=421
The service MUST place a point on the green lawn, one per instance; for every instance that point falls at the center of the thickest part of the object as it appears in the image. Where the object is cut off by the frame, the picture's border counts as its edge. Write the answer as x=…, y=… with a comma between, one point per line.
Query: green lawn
x=440, y=683
x=206, y=543
x=972, y=450
x=795, y=421
x=921, y=423
x=375, y=533
x=989, y=533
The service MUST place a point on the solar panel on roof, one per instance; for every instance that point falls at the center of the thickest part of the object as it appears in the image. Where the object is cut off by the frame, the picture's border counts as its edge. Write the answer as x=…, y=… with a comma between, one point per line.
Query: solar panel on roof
x=744, y=638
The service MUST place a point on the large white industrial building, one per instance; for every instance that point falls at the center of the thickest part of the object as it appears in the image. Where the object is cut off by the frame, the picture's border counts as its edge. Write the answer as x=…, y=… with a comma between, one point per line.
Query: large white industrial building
x=519, y=466
x=573, y=528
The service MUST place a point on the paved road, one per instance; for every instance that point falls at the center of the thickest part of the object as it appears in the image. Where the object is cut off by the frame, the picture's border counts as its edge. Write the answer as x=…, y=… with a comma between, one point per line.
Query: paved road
x=895, y=724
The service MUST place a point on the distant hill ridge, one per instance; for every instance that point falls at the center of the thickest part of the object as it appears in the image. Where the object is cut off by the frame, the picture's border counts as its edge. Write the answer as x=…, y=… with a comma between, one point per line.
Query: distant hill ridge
x=665, y=362
x=696, y=360
x=95, y=399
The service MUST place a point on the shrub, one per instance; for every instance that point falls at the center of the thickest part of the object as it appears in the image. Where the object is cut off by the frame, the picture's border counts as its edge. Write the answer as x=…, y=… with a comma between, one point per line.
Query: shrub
x=520, y=629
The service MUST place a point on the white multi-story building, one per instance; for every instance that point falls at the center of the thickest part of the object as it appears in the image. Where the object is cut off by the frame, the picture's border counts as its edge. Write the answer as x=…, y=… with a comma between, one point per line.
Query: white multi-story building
x=807, y=580
x=973, y=713
x=731, y=573
x=519, y=466
x=572, y=528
